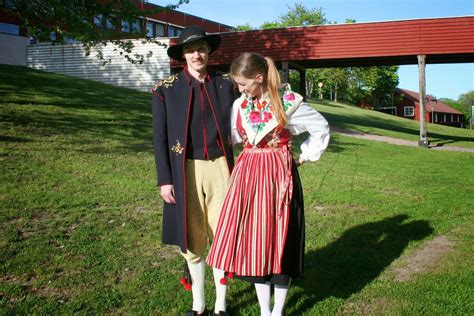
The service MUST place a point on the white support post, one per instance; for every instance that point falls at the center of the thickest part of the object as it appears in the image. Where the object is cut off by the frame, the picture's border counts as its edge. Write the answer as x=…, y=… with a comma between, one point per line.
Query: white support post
x=423, y=142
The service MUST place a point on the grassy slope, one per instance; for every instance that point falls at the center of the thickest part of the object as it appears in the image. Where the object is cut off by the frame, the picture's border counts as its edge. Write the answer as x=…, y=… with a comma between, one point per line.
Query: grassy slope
x=373, y=122
x=80, y=215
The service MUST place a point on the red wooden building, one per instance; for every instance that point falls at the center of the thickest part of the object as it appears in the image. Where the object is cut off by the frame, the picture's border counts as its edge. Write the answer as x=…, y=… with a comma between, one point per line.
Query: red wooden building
x=166, y=23
x=436, y=112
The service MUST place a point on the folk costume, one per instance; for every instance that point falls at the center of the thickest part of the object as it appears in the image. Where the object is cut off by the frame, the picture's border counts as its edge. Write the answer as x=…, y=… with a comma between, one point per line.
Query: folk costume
x=260, y=234
x=193, y=152
x=176, y=101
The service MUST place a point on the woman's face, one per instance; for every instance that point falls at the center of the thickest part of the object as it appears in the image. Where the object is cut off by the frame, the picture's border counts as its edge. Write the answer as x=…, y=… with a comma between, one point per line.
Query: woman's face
x=252, y=87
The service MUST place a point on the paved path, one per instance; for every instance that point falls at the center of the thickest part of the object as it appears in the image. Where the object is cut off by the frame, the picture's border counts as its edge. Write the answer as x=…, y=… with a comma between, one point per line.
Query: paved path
x=394, y=141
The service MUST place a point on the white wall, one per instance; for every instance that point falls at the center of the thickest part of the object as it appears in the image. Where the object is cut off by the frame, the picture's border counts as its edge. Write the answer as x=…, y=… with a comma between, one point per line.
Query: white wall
x=70, y=60
x=13, y=49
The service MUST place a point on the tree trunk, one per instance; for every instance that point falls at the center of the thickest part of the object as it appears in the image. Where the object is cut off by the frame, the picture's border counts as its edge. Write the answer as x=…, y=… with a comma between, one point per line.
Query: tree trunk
x=309, y=87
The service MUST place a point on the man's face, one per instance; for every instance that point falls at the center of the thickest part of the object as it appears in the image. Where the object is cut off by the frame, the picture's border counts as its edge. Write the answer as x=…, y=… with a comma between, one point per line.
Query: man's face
x=196, y=55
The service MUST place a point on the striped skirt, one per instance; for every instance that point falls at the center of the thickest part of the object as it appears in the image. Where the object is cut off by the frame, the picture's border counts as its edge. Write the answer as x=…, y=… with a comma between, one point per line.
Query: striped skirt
x=253, y=225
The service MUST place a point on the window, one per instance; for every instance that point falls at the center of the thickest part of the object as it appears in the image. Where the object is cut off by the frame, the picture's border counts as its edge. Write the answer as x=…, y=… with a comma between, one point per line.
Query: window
x=154, y=29
x=408, y=111
x=9, y=28
x=159, y=29
x=109, y=22
x=173, y=31
x=126, y=26
x=53, y=36
x=7, y=3
x=150, y=29
x=136, y=25
x=98, y=20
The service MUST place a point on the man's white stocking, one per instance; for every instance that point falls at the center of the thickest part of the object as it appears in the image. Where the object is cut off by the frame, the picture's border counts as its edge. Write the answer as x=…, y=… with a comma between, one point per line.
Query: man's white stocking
x=197, y=272
x=221, y=290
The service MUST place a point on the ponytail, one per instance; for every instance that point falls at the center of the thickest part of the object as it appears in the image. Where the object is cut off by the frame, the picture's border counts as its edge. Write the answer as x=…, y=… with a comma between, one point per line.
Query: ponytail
x=273, y=86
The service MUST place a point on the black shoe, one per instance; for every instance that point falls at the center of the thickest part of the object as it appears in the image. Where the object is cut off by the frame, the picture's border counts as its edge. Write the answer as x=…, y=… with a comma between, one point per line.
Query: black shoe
x=194, y=313
x=221, y=313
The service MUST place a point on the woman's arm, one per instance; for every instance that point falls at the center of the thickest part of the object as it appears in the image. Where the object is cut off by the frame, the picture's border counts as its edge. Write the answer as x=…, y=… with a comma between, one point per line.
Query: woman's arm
x=307, y=119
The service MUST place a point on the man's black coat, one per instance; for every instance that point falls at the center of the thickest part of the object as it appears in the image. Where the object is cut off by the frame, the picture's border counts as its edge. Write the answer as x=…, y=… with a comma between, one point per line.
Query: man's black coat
x=172, y=99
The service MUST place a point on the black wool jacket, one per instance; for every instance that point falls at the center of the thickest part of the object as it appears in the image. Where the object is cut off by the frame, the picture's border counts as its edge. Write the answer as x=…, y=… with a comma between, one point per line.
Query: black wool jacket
x=172, y=100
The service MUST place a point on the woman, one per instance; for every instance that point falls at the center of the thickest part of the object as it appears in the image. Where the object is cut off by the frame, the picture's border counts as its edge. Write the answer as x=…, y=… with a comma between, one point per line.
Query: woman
x=260, y=234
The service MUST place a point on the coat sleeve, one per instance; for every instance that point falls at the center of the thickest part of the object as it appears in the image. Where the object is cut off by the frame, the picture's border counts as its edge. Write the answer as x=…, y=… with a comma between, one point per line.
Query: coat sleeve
x=160, y=139
x=307, y=119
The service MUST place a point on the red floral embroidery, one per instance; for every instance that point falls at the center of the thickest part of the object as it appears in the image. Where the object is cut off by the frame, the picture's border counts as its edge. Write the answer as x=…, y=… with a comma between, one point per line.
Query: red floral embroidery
x=244, y=104
x=267, y=116
x=254, y=117
x=289, y=97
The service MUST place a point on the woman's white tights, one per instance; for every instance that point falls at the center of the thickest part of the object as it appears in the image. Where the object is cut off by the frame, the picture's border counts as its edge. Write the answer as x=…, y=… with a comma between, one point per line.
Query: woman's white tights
x=264, y=298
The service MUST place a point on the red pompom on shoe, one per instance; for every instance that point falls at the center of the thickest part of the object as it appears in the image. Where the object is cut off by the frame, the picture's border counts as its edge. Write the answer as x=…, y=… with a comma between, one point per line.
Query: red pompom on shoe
x=183, y=281
x=230, y=275
x=223, y=281
x=187, y=287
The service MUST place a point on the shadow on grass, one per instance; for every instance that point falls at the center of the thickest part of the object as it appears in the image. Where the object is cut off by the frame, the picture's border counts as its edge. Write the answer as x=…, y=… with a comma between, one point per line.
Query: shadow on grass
x=348, y=264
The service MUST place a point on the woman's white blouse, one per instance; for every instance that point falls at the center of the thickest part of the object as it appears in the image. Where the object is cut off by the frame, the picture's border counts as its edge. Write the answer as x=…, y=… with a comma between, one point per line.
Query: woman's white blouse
x=307, y=119
x=304, y=119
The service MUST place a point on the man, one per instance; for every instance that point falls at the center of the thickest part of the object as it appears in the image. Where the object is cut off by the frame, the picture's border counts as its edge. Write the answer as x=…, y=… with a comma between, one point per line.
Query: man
x=193, y=154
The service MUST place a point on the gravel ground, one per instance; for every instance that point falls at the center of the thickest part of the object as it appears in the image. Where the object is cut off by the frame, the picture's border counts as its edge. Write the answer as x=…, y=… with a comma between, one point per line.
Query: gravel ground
x=395, y=141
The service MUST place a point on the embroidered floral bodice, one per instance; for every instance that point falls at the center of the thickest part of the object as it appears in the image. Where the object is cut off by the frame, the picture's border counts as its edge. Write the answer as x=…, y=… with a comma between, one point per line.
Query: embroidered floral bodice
x=257, y=124
x=260, y=114
x=254, y=124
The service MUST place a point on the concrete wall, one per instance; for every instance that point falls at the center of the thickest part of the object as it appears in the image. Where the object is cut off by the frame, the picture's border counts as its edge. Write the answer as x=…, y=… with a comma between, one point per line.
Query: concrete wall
x=71, y=60
x=13, y=49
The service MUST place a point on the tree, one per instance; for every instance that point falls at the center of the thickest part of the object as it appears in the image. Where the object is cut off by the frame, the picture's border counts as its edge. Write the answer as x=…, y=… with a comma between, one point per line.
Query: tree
x=374, y=83
x=299, y=15
x=338, y=79
x=93, y=23
x=466, y=100
x=243, y=27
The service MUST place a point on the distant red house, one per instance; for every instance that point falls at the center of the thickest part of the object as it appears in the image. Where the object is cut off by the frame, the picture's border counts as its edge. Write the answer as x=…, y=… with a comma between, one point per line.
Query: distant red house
x=436, y=111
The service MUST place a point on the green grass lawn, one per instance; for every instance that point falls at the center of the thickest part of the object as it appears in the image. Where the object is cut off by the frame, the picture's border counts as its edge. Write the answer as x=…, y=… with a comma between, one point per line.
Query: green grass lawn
x=81, y=215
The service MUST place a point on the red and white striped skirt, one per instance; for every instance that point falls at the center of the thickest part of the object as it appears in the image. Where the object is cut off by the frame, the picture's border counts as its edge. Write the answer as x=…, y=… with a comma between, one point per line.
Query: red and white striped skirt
x=253, y=224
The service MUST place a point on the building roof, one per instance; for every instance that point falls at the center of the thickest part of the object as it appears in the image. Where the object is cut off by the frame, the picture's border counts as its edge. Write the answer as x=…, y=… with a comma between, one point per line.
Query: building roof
x=441, y=40
x=432, y=104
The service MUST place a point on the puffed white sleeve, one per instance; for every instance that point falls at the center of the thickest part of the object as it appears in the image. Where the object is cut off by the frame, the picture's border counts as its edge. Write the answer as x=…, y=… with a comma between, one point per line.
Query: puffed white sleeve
x=307, y=119
x=236, y=139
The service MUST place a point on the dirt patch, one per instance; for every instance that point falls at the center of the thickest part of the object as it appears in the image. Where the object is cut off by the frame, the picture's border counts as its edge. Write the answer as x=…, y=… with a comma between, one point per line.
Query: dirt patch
x=423, y=259
x=376, y=306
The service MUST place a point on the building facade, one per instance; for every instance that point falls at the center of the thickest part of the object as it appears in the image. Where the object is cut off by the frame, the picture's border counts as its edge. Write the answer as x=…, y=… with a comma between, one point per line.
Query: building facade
x=437, y=112
x=16, y=48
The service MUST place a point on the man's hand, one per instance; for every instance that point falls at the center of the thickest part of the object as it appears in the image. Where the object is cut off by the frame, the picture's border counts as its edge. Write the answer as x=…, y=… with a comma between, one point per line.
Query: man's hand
x=167, y=193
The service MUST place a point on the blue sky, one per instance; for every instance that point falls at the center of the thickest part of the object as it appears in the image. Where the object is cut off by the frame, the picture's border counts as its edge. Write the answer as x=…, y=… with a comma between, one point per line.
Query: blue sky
x=442, y=80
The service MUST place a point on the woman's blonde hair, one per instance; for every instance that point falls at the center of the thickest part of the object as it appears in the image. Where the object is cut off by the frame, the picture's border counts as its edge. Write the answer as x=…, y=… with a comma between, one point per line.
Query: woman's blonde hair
x=249, y=65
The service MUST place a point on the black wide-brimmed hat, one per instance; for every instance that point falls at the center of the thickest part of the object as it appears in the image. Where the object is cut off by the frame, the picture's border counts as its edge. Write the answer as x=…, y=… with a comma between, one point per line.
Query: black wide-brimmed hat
x=191, y=34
